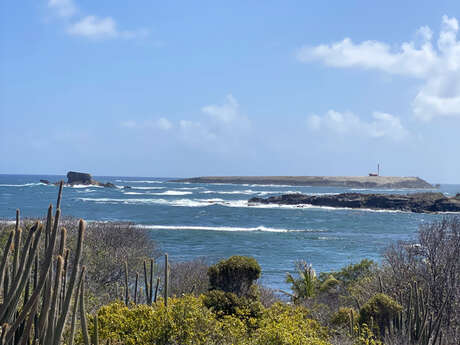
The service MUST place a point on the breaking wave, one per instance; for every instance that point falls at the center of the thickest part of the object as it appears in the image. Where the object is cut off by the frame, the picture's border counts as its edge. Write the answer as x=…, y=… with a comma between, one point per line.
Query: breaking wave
x=23, y=185
x=260, y=228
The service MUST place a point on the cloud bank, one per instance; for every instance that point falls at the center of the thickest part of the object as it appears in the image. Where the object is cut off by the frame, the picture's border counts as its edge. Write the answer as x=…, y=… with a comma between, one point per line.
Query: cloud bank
x=383, y=125
x=437, y=65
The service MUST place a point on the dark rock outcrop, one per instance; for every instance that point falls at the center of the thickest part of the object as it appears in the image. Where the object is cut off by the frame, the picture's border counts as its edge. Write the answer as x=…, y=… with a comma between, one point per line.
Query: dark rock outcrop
x=74, y=177
x=416, y=202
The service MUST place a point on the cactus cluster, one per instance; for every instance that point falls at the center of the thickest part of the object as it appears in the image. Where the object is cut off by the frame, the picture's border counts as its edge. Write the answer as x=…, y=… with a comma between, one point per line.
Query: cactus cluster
x=150, y=284
x=37, y=285
x=418, y=325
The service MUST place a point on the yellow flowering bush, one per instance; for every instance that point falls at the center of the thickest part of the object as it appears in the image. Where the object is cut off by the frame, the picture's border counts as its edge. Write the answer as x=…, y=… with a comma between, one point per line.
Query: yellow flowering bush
x=185, y=321
x=188, y=321
x=283, y=324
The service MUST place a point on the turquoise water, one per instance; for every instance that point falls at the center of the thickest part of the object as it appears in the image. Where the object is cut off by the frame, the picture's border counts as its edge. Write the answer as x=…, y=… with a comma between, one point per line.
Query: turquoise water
x=214, y=221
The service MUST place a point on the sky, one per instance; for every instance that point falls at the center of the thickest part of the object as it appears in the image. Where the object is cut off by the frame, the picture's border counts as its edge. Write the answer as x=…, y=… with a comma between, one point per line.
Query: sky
x=192, y=88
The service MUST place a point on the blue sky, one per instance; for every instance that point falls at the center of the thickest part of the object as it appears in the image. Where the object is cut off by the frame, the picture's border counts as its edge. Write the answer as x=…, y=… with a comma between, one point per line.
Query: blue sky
x=187, y=88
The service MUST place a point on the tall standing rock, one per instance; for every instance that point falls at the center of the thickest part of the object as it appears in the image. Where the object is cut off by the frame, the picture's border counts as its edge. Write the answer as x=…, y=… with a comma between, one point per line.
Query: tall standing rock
x=79, y=178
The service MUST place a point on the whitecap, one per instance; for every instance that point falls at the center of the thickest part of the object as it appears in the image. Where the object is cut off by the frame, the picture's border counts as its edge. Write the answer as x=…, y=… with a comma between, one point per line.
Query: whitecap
x=171, y=192
x=137, y=181
x=260, y=228
x=83, y=186
x=23, y=185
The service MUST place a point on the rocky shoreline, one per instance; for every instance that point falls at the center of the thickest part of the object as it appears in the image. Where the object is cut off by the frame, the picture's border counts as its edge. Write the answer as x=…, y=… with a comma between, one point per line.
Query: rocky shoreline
x=416, y=202
x=319, y=181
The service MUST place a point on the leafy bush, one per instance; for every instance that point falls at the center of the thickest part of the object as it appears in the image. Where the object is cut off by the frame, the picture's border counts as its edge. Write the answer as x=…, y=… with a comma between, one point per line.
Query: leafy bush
x=289, y=325
x=228, y=304
x=380, y=309
x=329, y=284
x=351, y=273
x=344, y=317
x=237, y=274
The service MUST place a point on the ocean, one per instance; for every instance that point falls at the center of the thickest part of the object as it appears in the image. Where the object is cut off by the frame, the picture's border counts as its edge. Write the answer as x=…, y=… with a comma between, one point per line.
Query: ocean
x=214, y=221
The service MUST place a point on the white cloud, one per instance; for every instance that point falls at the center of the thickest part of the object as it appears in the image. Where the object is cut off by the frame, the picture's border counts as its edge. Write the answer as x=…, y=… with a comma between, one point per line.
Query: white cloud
x=164, y=124
x=383, y=125
x=100, y=28
x=438, y=67
x=94, y=27
x=226, y=112
x=63, y=8
x=161, y=124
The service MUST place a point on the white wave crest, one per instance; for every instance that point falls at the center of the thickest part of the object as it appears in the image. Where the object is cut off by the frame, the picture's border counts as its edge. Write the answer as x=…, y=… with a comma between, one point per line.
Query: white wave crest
x=136, y=181
x=83, y=186
x=248, y=192
x=23, y=185
x=146, y=188
x=260, y=228
x=168, y=192
x=172, y=192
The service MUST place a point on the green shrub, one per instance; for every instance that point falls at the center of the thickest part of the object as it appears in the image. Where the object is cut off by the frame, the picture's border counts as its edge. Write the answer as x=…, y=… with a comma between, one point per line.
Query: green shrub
x=381, y=309
x=329, y=284
x=289, y=325
x=351, y=273
x=237, y=274
x=343, y=318
x=229, y=304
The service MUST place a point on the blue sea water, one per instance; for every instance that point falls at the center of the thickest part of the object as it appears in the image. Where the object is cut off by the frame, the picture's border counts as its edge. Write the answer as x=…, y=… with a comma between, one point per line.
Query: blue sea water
x=214, y=220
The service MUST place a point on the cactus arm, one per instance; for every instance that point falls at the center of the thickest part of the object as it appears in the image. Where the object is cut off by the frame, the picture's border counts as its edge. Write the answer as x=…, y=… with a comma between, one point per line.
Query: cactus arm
x=146, y=281
x=13, y=297
x=5, y=256
x=126, y=284
x=17, y=244
x=166, y=287
x=151, y=281
x=83, y=320
x=156, y=289
x=53, y=310
x=58, y=202
x=71, y=287
x=75, y=304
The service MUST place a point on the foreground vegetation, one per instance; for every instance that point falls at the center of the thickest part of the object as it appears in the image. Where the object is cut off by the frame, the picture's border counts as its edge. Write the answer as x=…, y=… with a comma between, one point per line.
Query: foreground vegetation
x=68, y=282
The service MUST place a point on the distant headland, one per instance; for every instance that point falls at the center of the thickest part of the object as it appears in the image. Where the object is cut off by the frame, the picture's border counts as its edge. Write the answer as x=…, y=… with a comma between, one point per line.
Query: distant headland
x=319, y=181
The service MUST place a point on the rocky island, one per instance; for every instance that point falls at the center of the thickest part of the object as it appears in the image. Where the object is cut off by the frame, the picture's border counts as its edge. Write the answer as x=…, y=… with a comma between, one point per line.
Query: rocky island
x=318, y=181
x=415, y=202
x=79, y=178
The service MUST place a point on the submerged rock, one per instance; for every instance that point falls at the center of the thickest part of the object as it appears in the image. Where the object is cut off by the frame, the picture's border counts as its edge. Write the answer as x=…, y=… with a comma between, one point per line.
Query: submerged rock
x=416, y=202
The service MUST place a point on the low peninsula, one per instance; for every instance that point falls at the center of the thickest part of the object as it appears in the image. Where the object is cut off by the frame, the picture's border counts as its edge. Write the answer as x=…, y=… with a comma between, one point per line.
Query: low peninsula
x=415, y=202
x=318, y=181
